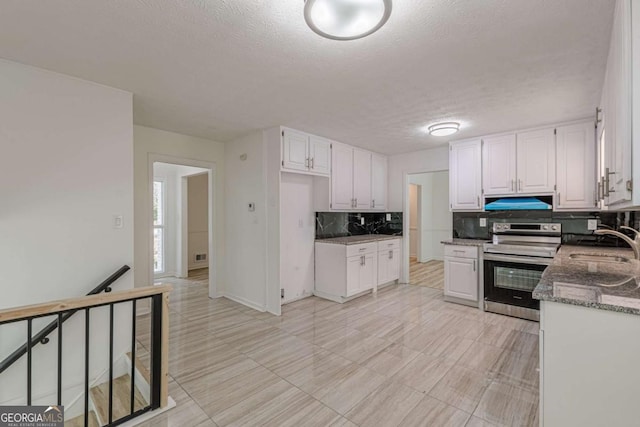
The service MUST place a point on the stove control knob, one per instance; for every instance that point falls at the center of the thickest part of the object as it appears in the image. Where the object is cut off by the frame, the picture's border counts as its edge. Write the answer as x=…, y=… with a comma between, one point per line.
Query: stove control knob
x=545, y=227
x=554, y=227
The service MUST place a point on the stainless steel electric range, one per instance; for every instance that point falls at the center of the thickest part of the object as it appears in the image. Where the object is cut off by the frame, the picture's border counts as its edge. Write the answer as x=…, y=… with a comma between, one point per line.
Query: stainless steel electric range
x=513, y=264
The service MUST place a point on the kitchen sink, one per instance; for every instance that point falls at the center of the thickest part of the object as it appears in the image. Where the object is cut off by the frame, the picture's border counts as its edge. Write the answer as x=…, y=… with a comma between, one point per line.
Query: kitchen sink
x=599, y=258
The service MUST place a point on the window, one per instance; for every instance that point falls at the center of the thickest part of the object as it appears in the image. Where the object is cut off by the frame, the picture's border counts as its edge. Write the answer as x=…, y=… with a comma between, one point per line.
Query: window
x=158, y=226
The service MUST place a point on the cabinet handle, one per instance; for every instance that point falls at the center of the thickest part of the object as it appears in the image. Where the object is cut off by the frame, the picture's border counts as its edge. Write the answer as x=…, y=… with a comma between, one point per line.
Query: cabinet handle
x=478, y=198
x=373, y=203
x=355, y=203
x=519, y=185
x=362, y=260
x=390, y=254
x=559, y=200
x=306, y=163
x=362, y=249
x=312, y=162
x=474, y=265
x=607, y=183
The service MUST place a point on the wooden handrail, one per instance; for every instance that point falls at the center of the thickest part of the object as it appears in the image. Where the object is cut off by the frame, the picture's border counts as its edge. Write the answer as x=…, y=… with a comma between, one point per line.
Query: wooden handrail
x=54, y=307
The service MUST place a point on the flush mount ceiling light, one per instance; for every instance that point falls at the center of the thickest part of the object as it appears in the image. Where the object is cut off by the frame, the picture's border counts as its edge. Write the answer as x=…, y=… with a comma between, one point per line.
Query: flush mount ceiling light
x=444, y=128
x=346, y=19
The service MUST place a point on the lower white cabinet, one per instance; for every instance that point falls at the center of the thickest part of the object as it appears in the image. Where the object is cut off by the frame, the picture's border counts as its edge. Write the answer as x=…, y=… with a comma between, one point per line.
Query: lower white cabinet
x=388, y=261
x=343, y=271
x=461, y=273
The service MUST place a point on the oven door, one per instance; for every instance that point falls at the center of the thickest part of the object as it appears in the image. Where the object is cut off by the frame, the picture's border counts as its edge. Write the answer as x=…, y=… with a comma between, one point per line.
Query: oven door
x=511, y=279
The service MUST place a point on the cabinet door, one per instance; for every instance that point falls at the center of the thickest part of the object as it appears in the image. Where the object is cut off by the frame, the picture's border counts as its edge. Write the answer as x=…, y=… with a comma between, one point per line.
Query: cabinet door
x=383, y=267
x=379, y=181
x=394, y=265
x=576, y=152
x=536, y=169
x=362, y=178
x=618, y=108
x=461, y=278
x=341, y=177
x=499, y=165
x=465, y=179
x=320, y=155
x=295, y=150
x=354, y=266
x=369, y=272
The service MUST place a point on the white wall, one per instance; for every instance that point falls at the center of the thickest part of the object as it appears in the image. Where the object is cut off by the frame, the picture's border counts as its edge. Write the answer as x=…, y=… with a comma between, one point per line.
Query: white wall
x=66, y=169
x=148, y=142
x=297, y=231
x=245, y=232
x=198, y=215
x=435, y=217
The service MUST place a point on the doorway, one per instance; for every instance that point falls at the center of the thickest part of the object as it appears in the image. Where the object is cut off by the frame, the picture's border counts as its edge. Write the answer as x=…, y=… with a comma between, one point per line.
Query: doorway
x=181, y=222
x=430, y=222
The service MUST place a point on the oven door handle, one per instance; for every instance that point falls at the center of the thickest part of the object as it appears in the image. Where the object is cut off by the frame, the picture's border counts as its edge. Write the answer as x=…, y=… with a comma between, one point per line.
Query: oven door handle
x=519, y=260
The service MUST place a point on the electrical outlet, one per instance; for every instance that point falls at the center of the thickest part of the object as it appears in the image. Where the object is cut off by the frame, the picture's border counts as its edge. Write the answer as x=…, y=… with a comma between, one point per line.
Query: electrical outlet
x=361, y=220
x=388, y=217
x=252, y=207
x=118, y=221
x=483, y=222
x=592, y=224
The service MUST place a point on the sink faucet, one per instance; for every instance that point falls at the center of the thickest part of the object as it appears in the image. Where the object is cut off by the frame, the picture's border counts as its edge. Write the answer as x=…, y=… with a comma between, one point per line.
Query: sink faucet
x=635, y=243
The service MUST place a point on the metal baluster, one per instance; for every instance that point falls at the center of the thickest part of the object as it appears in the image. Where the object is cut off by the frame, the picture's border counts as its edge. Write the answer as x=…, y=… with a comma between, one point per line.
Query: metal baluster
x=60, y=321
x=29, y=357
x=133, y=356
x=111, y=363
x=86, y=366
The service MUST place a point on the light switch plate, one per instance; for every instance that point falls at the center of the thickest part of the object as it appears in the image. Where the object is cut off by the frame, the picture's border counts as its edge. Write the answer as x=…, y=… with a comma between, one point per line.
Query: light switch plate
x=388, y=217
x=592, y=224
x=118, y=221
x=252, y=207
x=483, y=222
x=361, y=220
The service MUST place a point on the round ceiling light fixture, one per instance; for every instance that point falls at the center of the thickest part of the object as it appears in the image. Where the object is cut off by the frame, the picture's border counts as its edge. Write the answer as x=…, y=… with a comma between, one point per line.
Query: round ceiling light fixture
x=444, y=128
x=346, y=19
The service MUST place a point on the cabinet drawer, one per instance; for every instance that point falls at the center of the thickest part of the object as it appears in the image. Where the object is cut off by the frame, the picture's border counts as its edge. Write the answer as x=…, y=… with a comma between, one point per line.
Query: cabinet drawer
x=384, y=245
x=461, y=251
x=365, y=248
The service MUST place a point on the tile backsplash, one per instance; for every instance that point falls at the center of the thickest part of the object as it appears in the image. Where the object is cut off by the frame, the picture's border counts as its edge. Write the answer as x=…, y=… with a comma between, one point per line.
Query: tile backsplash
x=340, y=224
x=574, y=224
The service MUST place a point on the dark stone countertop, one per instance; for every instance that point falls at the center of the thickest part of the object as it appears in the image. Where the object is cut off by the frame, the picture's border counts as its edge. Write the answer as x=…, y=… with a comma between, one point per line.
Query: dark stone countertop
x=592, y=282
x=356, y=240
x=465, y=242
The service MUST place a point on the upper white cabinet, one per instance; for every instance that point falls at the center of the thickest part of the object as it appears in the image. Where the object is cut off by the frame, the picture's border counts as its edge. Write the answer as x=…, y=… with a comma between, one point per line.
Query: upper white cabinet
x=302, y=152
x=536, y=165
x=499, y=165
x=465, y=175
x=341, y=177
x=576, y=167
x=378, y=181
x=361, y=179
x=619, y=163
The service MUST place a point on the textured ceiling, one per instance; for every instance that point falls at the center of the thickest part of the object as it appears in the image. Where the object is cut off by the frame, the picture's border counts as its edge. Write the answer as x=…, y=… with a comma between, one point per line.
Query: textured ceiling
x=221, y=68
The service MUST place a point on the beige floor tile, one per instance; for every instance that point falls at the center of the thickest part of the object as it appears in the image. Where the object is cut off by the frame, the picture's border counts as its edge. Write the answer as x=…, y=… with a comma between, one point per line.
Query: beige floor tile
x=480, y=358
x=448, y=346
x=508, y=405
x=308, y=412
x=390, y=360
x=478, y=422
x=461, y=388
x=349, y=390
x=186, y=411
x=387, y=406
x=423, y=372
x=518, y=369
x=317, y=374
x=432, y=412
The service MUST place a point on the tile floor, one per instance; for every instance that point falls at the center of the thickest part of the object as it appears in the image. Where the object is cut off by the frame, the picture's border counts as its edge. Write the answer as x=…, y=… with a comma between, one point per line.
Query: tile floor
x=429, y=274
x=401, y=358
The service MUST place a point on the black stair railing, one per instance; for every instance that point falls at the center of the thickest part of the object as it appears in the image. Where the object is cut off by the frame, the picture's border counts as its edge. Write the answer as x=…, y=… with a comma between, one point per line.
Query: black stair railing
x=41, y=337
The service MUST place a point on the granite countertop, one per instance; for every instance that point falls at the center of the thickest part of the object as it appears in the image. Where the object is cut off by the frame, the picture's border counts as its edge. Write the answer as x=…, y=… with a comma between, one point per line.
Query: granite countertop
x=356, y=240
x=592, y=283
x=465, y=242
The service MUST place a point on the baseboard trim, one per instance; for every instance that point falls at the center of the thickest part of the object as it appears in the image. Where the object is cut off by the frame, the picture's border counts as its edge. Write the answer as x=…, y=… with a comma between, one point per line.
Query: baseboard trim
x=244, y=301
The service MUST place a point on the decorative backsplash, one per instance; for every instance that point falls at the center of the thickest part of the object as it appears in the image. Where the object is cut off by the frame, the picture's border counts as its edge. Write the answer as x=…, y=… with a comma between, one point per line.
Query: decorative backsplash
x=574, y=224
x=340, y=224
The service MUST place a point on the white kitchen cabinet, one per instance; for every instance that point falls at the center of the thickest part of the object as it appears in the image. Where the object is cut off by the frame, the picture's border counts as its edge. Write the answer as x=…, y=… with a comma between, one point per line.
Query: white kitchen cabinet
x=576, y=167
x=536, y=161
x=302, y=152
x=362, y=179
x=341, y=177
x=589, y=374
x=619, y=94
x=461, y=274
x=499, y=165
x=343, y=271
x=465, y=175
x=388, y=261
x=378, y=181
